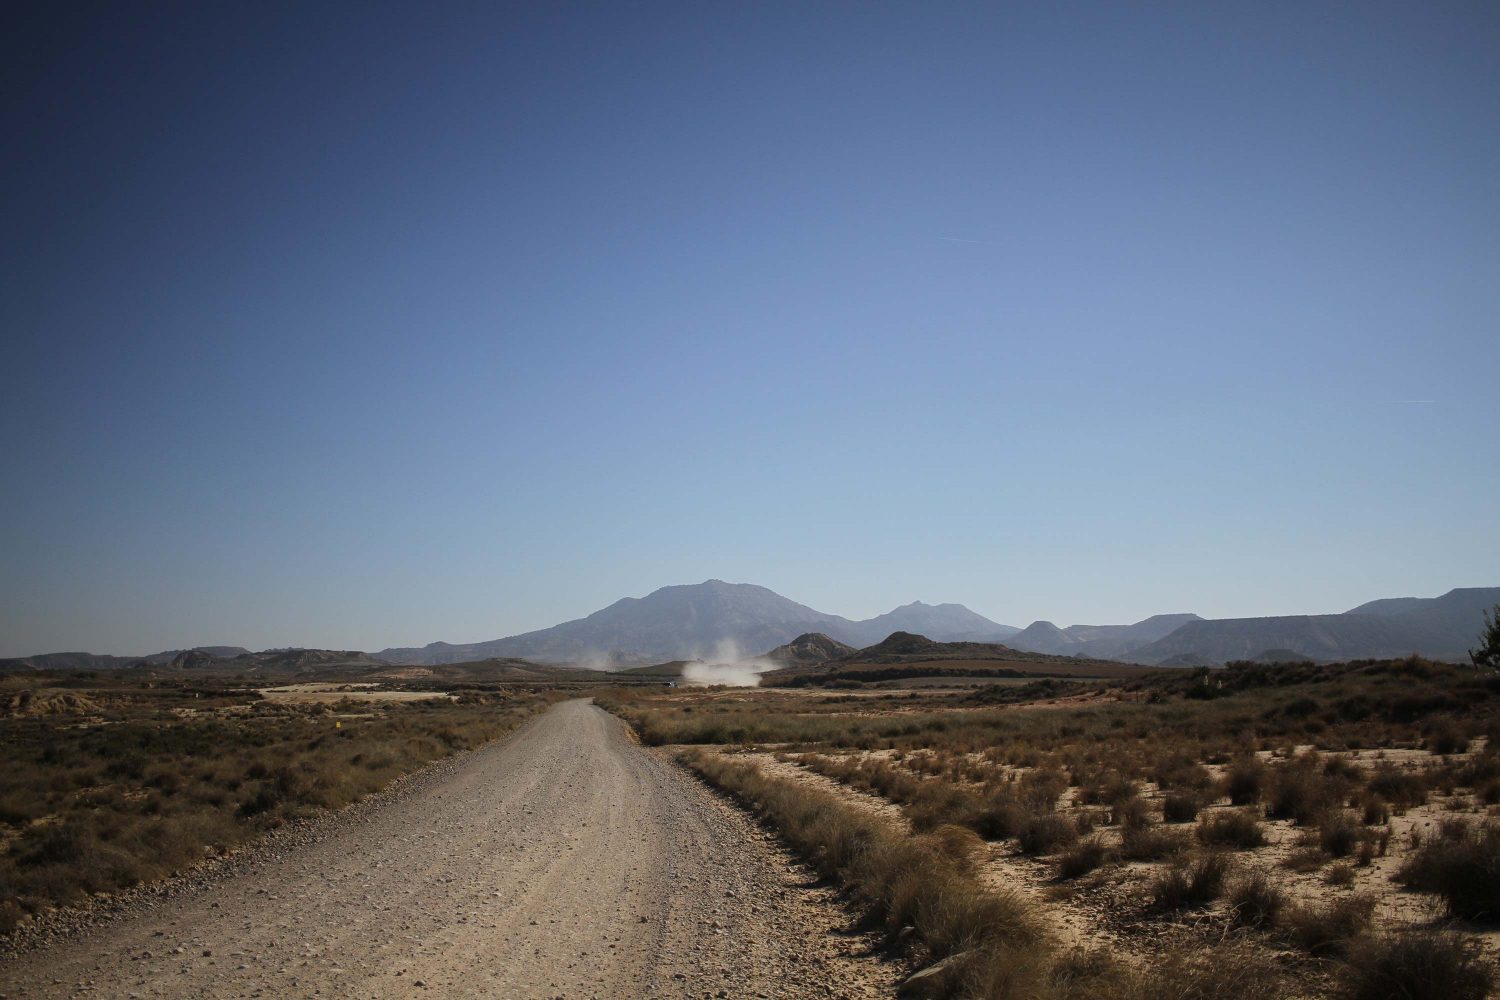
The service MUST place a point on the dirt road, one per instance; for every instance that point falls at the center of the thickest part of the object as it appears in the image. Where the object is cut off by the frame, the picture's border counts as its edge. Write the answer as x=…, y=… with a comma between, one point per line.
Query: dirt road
x=563, y=862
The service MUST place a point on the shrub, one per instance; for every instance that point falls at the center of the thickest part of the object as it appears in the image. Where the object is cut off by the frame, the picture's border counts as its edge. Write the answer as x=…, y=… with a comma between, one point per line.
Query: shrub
x=1046, y=833
x=1298, y=793
x=999, y=816
x=1238, y=828
x=1374, y=811
x=1130, y=813
x=1400, y=788
x=1416, y=965
x=957, y=843
x=1255, y=901
x=1462, y=866
x=1083, y=858
x=1338, y=834
x=1186, y=884
x=1219, y=972
x=1341, y=875
x=1181, y=807
x=1151, y=843
x=1327, y=929
x=1245, y=781
x=1444, y=738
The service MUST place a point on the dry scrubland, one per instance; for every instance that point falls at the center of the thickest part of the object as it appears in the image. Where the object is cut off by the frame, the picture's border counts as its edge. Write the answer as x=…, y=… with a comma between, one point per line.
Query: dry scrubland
x=110, y=782
x=1260, y=831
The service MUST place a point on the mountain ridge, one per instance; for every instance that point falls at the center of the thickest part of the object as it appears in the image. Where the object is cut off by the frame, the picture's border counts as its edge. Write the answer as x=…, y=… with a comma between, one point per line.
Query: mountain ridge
x=693, y=621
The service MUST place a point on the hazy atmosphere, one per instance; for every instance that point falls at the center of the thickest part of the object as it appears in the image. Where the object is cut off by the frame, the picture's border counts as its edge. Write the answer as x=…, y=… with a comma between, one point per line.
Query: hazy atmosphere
x=368, y=326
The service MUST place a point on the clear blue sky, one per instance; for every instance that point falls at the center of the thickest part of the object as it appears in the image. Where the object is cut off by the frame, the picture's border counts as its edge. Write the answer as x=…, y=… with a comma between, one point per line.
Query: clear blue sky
x=392, y=323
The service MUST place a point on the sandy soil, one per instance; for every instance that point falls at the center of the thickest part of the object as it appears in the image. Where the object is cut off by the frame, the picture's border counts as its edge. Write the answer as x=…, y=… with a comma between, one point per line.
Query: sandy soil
x=563, y=862
x=316, y=693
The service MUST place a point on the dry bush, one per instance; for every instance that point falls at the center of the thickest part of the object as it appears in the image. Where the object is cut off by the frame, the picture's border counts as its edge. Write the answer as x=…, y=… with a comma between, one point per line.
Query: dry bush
x=1181, y=772
x=1255, y=901
x=1237, y=828
x=1443, y=737
x=1109, y=789
x=1374, y=811
x=1218, y=972
x=1083, y=858
x=1341, y=875
x=1300, y=793
x=1338, y=834
x=1343, y=769
x=1151, y=843
x=1189, y=884
x=1039, y=789
x=1046, y=833
x=1402, y=789
x=958, y=843
x=1462, y=866
x=1246, y=780
x=1328, y=928
x=1131, y=811
x=1088, y=820
x=1181, y=807
x=1416, y=965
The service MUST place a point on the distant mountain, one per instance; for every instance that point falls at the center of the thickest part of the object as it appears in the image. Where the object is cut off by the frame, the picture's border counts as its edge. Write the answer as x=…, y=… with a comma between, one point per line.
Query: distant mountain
x=209, y=659
x=808, y=649
x=946, y=621
x=1042, y=637
x=102, y=661
x=1097, y=641
x=1440, y=627
x=683, y=622
x=221, y=652
x=66, y=661
x=698, y=620
x=1390, y=606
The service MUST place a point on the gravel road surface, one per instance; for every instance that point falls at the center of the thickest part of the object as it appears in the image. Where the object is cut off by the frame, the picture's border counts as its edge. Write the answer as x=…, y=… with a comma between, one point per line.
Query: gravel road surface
x=564, y=861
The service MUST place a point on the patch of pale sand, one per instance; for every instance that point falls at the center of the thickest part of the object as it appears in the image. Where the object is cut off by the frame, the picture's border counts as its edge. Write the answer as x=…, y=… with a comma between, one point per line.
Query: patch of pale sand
x=1071, y=916
x=316, y=695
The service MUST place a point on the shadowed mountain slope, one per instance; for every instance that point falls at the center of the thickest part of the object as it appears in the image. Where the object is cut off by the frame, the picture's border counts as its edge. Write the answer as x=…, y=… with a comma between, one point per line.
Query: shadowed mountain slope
x=1439, y=627
x=1100, y=641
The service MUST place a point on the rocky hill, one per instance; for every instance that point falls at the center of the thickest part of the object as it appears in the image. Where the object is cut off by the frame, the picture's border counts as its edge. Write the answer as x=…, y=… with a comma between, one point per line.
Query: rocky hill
x=808, y=649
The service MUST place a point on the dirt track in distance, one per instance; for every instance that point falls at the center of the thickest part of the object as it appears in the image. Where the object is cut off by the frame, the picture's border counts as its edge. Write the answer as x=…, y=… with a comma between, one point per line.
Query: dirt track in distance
x=564, y=861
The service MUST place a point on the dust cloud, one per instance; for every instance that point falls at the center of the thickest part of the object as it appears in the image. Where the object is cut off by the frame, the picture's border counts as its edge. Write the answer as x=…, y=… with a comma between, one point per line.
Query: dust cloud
x=727, y=666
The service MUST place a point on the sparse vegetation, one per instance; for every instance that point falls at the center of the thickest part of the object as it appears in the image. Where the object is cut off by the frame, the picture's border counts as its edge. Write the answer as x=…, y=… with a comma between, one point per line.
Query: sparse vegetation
x=133, y=781
x=1237, y=828
x=1143, y=788
x=1417, y=965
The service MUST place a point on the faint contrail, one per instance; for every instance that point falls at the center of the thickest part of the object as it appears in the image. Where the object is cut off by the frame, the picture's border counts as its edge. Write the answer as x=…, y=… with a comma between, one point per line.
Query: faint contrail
x=1417, y=401
x=958, y=239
